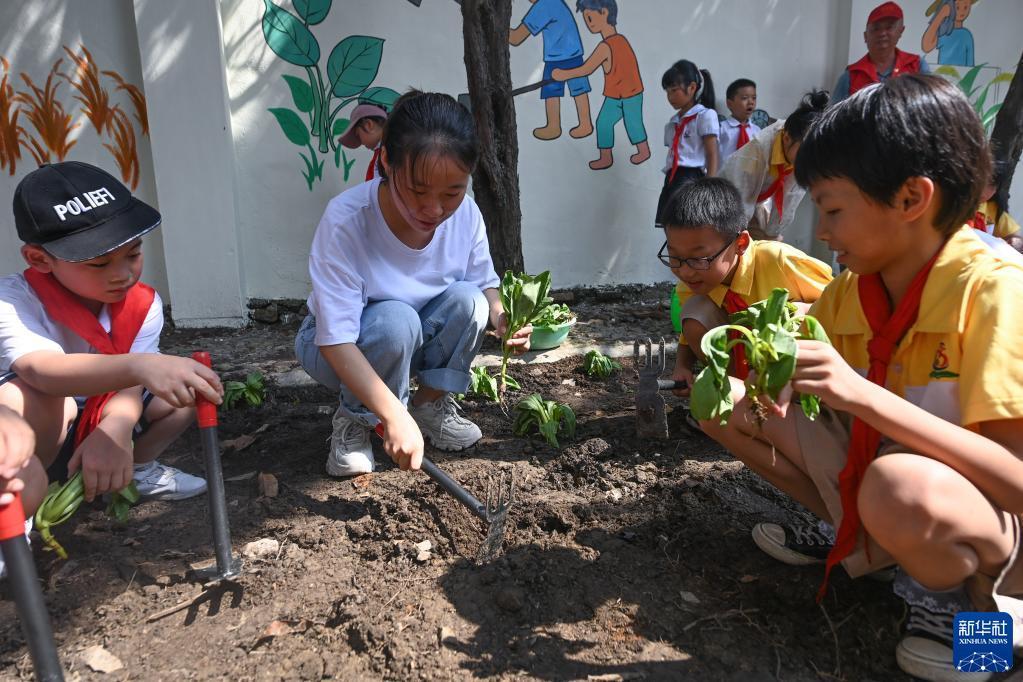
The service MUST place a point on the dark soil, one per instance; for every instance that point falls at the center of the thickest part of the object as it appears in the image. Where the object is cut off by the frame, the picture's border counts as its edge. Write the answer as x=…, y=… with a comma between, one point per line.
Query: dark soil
x=623, y=559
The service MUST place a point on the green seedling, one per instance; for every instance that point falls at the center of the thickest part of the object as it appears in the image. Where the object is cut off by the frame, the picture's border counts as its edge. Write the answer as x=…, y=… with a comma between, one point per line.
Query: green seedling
x=769, y=331
x=553, y=315
x=251, y=391
x=523, y=298
x=481, y=383
x=62, y=501
x=547, y=416
x=598, y=365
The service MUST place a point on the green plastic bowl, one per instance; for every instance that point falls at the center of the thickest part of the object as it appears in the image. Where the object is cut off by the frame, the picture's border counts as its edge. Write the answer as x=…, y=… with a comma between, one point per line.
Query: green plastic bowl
x=545, y=338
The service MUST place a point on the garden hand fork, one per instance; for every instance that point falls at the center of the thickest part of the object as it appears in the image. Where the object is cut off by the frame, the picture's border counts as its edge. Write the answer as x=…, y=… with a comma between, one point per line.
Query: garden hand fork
x=651, y=422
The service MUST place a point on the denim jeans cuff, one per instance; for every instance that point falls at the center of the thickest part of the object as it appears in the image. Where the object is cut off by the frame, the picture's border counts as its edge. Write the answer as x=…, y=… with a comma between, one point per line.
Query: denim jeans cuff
x=445, y=379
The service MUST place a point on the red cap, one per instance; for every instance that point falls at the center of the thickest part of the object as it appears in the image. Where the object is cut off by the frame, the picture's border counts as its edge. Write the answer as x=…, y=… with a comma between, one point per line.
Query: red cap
x=886, y=10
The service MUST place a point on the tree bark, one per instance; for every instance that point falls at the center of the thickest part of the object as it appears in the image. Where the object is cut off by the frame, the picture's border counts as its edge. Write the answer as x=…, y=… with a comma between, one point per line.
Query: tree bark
x=1007, y=136
x=485, y=26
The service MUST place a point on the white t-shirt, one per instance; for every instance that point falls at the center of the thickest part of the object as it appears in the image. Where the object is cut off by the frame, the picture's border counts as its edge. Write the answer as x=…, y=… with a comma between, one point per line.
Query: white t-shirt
x=25, y=327
x=690, y=146
x=356, y=260
x=728, y=137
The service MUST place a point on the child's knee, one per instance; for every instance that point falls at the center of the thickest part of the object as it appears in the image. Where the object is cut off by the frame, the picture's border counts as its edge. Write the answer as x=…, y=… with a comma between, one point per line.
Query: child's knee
x=161, y=412
x=900, y=498
x=36, y=482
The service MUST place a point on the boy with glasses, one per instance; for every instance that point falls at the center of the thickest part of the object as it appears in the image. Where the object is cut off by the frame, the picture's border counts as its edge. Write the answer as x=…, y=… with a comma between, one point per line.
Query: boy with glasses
x=721, y=270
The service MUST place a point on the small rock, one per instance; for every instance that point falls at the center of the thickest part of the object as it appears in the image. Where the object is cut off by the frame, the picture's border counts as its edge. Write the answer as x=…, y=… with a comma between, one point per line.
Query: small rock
x=295, y=378
x=536, y=372
x=150, y=590
x=423, y=557
x=568, y=382
x=614, y=494
x=446, y=635
x=509, y=599
x=100, y=660
x=261, y=549
x=424, y=546
x=267, y=315
x=689, y=597
x=747, y=578
x=268, y=485
x=163, y=580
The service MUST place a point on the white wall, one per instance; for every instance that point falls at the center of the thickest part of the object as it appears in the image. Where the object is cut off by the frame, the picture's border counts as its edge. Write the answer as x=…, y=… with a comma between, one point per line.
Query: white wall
x=995, y=25
x=31, y=38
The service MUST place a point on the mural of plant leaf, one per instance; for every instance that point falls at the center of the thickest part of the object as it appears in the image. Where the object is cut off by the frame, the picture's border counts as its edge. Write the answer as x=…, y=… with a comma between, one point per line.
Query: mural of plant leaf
x=288, y=37
x=47, y=115
x=340, y=126
x=946, y=70
x=967, y=82
x=91, y=93
x=301, y=93
x=11, y=134
x=312, y=11
x=353, y=64
x=989, y=115
x=292, y=125
x=138, y=99
x=381, y=96
x=124, y=148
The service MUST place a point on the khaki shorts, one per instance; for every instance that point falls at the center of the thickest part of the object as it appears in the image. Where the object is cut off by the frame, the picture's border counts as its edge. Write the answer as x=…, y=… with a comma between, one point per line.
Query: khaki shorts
x=825, y=443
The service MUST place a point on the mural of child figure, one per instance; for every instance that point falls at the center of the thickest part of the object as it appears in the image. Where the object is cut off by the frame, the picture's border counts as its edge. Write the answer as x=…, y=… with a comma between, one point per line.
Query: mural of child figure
x=946, y=32
x=623, y=87
x=562, y=49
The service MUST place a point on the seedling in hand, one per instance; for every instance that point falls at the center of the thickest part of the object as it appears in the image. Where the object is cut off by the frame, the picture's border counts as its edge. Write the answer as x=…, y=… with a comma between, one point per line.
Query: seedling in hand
x=62, y=501
x=768, y=331
x=523, y=298
x=547, y=416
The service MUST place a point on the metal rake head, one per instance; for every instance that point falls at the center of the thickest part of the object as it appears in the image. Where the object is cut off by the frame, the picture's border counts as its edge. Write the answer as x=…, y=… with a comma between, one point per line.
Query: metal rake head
x=497, y=503
x=651, y=364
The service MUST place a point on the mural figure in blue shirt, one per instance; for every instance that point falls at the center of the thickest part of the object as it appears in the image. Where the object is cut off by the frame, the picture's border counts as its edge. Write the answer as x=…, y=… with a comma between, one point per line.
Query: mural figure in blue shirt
x=562, y=49
x=947, y=33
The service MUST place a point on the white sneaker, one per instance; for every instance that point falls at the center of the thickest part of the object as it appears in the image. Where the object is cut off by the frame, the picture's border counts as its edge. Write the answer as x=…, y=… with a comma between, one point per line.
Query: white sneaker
x=157, y=481
x=351, y=452
x=441, y=422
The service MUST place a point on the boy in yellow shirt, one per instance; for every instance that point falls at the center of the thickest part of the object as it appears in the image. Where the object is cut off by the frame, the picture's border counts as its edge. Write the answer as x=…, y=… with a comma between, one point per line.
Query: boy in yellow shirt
x=916, y=456
x=721, y=270
x=993, y=221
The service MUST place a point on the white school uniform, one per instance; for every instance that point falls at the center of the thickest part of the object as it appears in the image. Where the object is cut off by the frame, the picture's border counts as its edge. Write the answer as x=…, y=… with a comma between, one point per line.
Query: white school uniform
x=728, y=137
x=691, y=153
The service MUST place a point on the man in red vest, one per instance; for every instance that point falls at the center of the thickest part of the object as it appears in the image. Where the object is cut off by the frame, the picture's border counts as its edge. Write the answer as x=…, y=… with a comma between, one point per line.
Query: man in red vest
x=883, y=59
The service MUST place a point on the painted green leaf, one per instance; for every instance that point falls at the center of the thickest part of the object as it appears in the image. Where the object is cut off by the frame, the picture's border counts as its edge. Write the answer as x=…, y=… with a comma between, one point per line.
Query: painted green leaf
x=380, y=96
x=292, y=125
x=312, y=11
x=340, y=126
x=353, y=64
x=288, y=37
x=301, y=93
x=989, y=115
x=967, y=82
x=945, y=70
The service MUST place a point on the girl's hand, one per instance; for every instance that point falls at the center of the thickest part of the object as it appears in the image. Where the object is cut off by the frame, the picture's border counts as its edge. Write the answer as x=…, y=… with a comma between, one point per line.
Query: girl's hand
x=519, y=342
x=403, y=441
x=821, y=371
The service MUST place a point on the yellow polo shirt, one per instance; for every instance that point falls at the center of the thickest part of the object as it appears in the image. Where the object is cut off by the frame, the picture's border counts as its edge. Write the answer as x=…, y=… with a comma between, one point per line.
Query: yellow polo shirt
x=1004, y=225
x=963, y=358
x=777, y=159
x=765, y=266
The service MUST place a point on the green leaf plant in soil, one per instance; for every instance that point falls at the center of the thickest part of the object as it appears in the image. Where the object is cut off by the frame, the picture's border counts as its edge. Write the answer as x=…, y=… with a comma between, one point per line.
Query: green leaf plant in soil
x=546, y=416
x=481, y=383
x=523, y=298
x=598, y=365
x=62, y=501
x=251, y=391
x=769, y=331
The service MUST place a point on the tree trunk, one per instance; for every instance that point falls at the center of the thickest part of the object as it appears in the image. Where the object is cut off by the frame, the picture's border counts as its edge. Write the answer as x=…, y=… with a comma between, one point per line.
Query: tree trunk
x=485, y=26
x=1007, y=136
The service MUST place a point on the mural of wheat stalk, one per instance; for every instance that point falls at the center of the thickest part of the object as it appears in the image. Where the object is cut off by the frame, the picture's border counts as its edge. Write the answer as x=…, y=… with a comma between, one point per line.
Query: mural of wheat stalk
x=53, y=125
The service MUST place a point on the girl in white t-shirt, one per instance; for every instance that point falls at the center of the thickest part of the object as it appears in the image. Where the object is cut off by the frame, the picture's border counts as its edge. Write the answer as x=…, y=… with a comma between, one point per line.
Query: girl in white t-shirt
x=403, y=284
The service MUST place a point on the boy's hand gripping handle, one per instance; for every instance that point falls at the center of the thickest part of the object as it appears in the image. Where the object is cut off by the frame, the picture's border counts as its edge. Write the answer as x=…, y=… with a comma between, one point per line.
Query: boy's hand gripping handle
x=205, y=411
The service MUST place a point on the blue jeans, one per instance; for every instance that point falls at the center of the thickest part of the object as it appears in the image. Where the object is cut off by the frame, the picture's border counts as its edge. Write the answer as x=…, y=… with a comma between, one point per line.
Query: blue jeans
x=436, y=344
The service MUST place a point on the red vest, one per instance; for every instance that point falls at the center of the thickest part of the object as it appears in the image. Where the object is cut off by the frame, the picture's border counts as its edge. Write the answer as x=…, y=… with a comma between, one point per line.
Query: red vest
x=864, y=73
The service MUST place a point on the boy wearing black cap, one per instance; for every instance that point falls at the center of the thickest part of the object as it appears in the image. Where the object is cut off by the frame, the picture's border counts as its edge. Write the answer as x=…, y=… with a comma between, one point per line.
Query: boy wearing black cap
x=78, y=322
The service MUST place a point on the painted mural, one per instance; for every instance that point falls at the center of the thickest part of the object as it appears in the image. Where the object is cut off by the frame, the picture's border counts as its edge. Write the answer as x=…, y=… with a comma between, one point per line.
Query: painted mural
x=564, y=65
x=53, y=128
x=316, y=122
x=947, y=33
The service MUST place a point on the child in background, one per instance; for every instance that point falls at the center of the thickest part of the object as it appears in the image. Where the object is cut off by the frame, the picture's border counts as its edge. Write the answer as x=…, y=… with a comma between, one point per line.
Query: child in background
x=365, y=129
x=691, y=135
x=623, y=86
x=403, y=284
x=737, y=129
x=721, y=270
x=990, y=219
x=78, y=322
x=762, y=169
x=917, y=455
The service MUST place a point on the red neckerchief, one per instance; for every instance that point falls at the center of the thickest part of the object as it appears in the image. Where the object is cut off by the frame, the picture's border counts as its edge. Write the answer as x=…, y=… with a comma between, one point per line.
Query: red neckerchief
x=888, y=328
x=680, y=129
x=777, y=189
x=979, y=221
x=126, y=318
x=743, y=136
x=371, y=171
x=733, y=304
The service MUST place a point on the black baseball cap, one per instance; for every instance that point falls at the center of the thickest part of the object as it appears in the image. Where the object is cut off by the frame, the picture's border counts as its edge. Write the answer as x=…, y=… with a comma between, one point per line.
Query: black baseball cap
x=77, y=211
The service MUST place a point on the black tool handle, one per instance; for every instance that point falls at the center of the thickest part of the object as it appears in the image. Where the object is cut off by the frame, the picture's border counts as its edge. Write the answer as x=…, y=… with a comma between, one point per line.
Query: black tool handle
x=454, y=489
x=28, y=598
x=671, y=384
x=532, y=86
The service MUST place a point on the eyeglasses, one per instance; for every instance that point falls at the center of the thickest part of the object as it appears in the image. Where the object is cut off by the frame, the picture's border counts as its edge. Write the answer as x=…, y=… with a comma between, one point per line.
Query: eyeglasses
x=702, y=263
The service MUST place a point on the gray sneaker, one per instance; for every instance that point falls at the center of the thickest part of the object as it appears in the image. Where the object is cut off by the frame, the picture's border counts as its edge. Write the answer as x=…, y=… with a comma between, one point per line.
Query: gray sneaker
x=156, y=481
x=351, y=452
x=441, y=422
